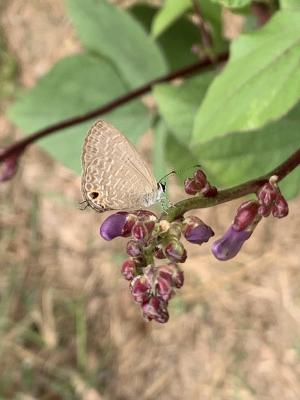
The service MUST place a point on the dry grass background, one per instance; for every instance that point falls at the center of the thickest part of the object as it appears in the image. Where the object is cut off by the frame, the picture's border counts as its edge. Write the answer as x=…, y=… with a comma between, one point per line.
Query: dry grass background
x=68, y=328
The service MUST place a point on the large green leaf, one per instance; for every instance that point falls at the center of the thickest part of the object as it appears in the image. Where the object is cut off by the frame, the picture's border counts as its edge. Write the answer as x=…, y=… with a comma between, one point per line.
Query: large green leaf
x=233, y=3
x=176, y=46
x=169, y=13
x=74, y=86
x=290, y=4
x=235, y=158
x=260, y=83
x=113, y=33
x=179, y=103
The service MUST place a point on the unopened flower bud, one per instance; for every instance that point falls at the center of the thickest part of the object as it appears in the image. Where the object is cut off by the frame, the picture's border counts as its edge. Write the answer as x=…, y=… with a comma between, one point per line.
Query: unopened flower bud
x=128, y=269
x=159, y=253
x=145, y=213
x=175, y=229
x=140, y=289
x=174, y=273
x=267, y=194
x=190, y=186
x=139, y=231
x=280, y=208
x=209, y=191
x=200, y=178
x=196, y=231
x=156, y=309
x=230, y=244
x=133, y=248
x=246, y=214
x=175, y=251
x=115, y=225
x=9, y=166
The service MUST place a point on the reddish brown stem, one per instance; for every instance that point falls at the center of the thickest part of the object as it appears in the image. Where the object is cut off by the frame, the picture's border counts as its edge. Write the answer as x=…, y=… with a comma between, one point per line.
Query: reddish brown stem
x=20, y=146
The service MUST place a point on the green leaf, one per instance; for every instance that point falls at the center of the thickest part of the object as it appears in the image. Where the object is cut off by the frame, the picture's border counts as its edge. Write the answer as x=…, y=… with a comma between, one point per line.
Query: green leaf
x=235, y=158
x=113, y=33
x=233, y=3
x=260, y=83
x=74, y=86
x=159, y=162
x=290, y=4
x=179, y=103
x=170, y=12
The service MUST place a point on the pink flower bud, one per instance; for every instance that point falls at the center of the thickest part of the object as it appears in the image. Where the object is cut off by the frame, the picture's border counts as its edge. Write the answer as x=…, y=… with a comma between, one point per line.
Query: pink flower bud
x=156, y=309
x=159, y=253
x=174, y=273
x=267, y=194
x=133, y=248
x=280, y=208
x=128, y=269
x=175, y=251
x=209, y=191
x=9, y=166
x=246, y=214
x=200, y=178
x=139, y=231
x=140, y=289
x=190, y=186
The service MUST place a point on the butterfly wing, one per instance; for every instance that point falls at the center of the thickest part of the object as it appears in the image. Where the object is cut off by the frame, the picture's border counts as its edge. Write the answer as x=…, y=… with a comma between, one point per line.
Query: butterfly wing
x=114, y=174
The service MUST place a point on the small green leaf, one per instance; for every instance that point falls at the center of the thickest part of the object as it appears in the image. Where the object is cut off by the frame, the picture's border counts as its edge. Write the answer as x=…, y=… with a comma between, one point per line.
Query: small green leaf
x=178, y=104
x=170, y=12
x=233, y=3
x=290, y=4
x=260, y=83
x=113, y=33
x=73, y=86
x=235, y=158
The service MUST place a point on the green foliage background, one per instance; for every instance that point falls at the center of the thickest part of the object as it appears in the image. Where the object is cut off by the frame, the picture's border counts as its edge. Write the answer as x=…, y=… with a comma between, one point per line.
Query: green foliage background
x=238, y=122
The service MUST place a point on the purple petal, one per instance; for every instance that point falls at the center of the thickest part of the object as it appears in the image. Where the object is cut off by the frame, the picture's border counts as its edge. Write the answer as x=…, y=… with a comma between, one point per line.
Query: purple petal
x=230, y=244
x=113, y=226
x=199, y=234
x=9, y=167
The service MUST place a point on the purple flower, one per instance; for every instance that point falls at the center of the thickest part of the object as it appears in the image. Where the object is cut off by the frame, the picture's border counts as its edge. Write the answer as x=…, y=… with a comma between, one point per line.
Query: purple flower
x=196, y=231
x=230, y=244
x=114, y=225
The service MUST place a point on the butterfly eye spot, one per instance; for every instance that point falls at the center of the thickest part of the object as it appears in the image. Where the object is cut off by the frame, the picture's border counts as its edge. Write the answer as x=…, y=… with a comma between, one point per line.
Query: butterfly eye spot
x=94, y=195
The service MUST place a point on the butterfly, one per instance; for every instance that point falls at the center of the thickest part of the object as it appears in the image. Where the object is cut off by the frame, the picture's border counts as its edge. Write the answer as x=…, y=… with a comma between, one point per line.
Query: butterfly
x=114, y=175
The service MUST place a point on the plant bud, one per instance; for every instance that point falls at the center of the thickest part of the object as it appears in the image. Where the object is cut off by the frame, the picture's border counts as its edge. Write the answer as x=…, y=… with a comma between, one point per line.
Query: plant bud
x=156, y=309
x=159, y=252
x=140, y=289
x=200, y=178
x=246, y=214
x=190, y=186
x=196, y=231
x=281, y=208
x=209, y=191
x=139, y=231
x=175, y=251
x=9, y=166
x=174, y=273
x=128, y=269
x=133, y=248
x=175, y=230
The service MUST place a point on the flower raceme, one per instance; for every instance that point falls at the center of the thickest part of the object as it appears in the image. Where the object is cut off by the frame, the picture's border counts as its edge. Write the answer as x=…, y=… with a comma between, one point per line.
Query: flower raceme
x=155, y=247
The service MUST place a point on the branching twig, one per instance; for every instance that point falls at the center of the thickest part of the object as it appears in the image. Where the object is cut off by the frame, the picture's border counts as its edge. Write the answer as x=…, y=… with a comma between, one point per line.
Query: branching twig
x=21, y=145
x=234, y=192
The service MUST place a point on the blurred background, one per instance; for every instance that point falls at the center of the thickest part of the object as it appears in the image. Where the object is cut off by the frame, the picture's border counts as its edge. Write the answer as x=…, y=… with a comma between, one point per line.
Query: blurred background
x=68, y=326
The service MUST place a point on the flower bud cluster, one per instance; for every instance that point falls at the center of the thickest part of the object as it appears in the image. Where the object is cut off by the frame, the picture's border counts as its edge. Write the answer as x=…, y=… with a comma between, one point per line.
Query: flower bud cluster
x=269, y=200
x=199, y=184
x=151, y=285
